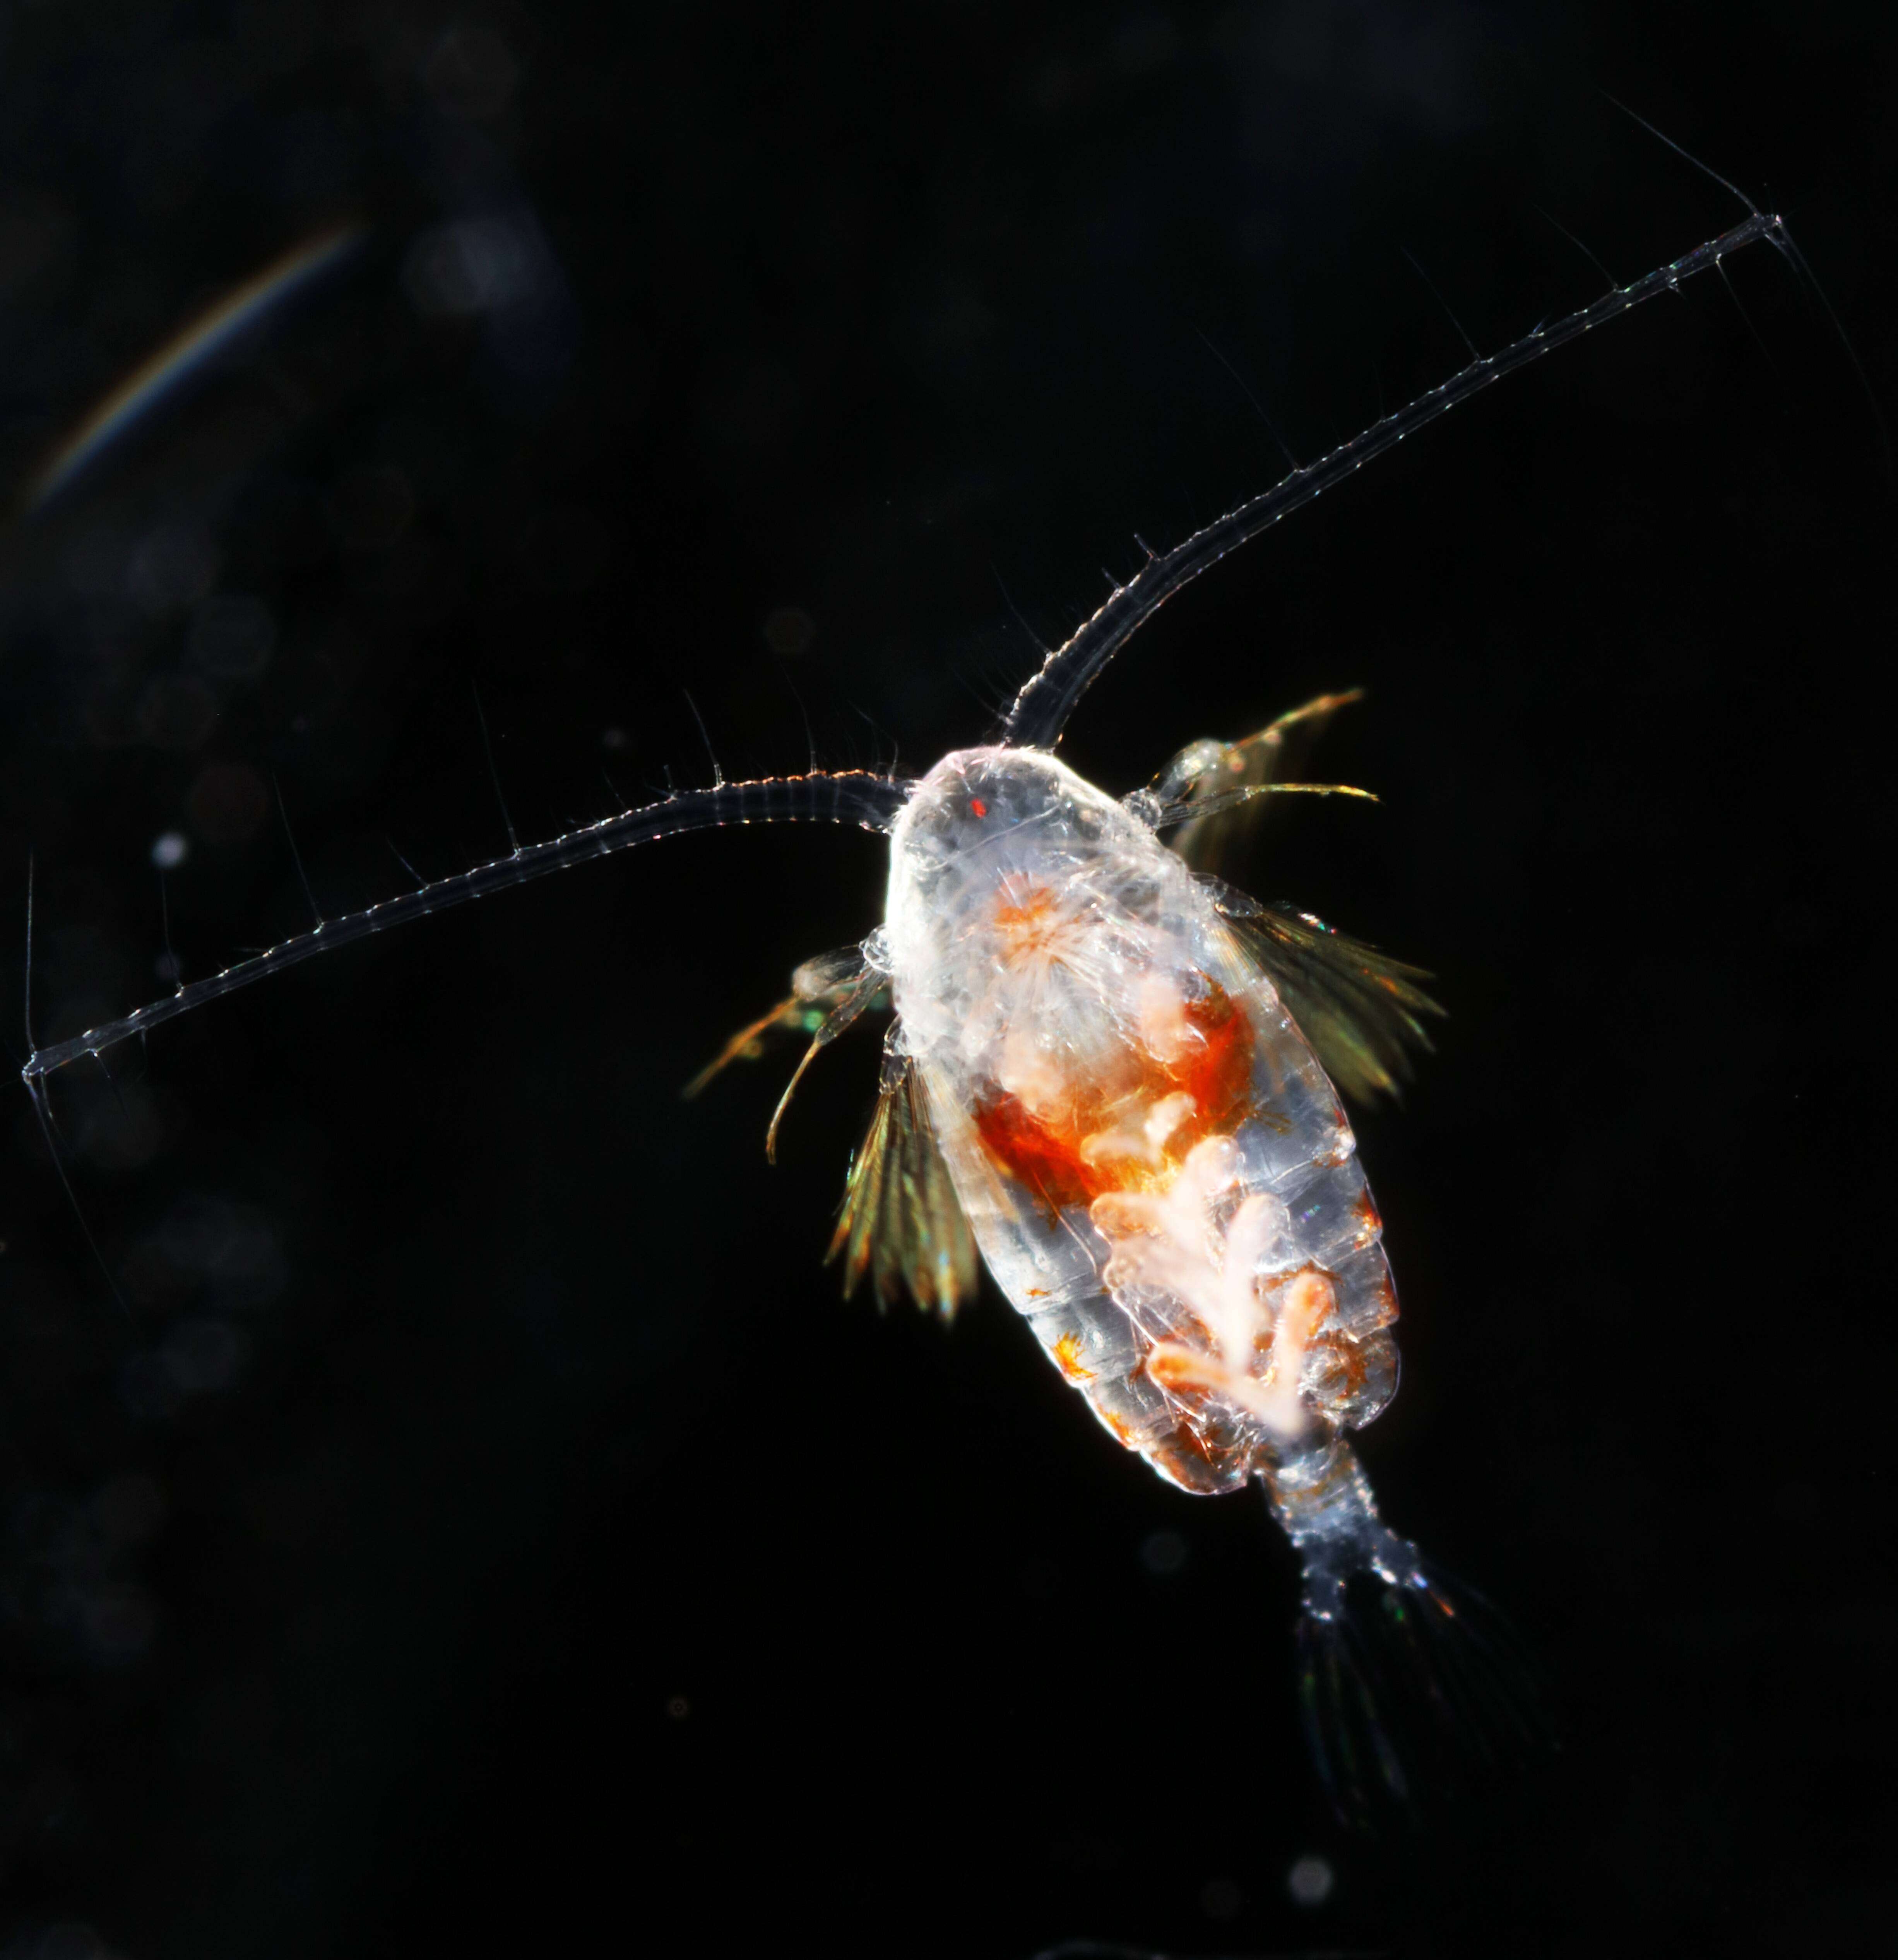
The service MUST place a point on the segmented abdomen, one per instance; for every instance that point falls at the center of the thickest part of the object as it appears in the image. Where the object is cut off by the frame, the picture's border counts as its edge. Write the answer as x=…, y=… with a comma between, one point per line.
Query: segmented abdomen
x=1070, y=1234
x=1155, y=1167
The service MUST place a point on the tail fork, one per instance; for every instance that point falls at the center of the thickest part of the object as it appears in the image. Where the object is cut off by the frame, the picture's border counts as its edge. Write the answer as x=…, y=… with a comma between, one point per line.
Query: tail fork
x=1411, y=1687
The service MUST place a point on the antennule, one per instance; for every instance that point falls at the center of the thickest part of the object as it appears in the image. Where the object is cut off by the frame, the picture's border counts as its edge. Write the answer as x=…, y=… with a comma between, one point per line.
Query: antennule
x=1041, y=709
x=849, y=797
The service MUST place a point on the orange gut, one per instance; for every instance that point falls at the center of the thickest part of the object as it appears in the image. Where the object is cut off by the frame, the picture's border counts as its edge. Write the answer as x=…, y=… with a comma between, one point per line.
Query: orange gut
x=1054, y=1148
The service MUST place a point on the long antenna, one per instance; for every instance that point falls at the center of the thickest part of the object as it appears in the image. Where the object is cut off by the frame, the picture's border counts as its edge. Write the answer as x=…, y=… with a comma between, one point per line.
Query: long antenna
x=44, y=1115
x=1041, y=708
x=1797, y=259
x=848, y=797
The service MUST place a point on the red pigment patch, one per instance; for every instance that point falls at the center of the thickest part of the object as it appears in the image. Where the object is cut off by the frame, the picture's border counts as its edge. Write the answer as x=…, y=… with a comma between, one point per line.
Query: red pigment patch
x=1215, y=1071
x=1047, y=1160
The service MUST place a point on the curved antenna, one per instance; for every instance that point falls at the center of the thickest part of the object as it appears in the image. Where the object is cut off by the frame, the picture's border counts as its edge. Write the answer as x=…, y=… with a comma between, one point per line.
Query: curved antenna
x=849, y=797
x=1041, y=709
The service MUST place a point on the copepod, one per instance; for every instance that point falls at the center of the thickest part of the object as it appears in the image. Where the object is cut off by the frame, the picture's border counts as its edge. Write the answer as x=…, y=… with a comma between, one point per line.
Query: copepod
x=1114, y=1080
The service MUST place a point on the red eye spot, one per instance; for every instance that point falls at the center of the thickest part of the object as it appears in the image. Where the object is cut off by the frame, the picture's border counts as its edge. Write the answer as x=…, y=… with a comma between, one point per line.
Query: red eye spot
x=977, y=807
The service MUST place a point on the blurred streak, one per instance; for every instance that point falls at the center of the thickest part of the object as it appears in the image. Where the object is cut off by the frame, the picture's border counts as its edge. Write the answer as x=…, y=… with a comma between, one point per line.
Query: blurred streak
x=190, y=351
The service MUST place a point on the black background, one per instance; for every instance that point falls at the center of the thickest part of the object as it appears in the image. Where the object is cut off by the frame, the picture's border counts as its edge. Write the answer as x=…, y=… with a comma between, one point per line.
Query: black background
x=484, y=1523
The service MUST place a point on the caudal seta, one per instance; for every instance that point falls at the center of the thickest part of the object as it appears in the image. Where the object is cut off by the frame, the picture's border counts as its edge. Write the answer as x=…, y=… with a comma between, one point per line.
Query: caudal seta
x=1184, y=1075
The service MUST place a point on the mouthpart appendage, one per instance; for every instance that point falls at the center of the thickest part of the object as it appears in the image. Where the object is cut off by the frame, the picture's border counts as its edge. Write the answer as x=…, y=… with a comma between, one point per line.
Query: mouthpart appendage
x=1411, y=1688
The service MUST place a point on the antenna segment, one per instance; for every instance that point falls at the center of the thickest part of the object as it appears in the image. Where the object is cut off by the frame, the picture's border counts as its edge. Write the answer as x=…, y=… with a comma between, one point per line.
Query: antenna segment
x=1035, y=720
x=849, y=797
x=1041, y=709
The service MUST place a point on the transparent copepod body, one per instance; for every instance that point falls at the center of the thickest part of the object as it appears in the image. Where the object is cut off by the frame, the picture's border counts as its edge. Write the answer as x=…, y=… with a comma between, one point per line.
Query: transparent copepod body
x=1155, y=1165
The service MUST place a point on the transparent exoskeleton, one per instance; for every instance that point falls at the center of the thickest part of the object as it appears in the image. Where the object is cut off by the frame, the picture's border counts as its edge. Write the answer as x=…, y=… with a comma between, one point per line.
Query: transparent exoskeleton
x=1114, y=1080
